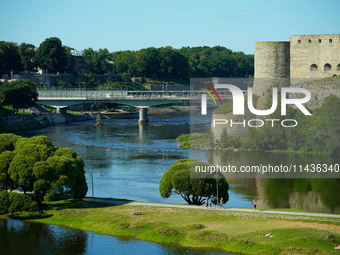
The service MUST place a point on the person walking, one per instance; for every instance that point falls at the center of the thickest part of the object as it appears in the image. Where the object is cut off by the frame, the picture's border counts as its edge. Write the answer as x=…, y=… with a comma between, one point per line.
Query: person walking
x=206, y=203
x=221, y=202
x=210, y=203
x=254, y=205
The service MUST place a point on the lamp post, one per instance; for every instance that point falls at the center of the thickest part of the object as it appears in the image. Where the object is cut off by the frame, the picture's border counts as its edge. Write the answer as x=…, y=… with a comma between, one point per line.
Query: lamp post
x=216, y=189
x=92, y=181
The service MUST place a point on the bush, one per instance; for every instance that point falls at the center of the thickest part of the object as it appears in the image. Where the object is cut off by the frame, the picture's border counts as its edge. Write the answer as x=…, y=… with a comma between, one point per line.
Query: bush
x=4, y=201
x=21, y=202
x=126, y=77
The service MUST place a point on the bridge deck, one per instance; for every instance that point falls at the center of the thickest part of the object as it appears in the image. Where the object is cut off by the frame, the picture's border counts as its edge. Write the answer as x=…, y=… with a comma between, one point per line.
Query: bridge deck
x=64, y=98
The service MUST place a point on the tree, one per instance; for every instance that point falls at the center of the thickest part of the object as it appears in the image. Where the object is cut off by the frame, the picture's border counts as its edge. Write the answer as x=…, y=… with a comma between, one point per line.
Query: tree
x=28, y=57
x=97, y=60
x=19, y=94
x=193, y=190
x=35, y=164
x=9, y=57
x=173, y=64
x=52, y=55
x=20, y=202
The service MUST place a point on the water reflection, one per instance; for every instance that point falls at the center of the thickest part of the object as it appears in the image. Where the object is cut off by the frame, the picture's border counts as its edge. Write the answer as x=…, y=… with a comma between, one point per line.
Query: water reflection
x=23, y=238
x=19, y=237
x=128, y=161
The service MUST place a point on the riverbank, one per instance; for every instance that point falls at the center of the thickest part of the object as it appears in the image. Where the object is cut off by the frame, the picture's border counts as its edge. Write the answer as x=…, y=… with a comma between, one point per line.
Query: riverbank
x=231, y=231
x=160, y=110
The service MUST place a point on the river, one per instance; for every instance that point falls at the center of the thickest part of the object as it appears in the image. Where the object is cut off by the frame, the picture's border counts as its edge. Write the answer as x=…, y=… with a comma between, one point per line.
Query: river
x=127, y=161
x=18, y=237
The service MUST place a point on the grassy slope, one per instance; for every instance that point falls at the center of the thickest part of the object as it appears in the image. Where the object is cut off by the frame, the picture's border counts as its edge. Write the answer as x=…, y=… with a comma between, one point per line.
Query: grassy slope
x=231, y=231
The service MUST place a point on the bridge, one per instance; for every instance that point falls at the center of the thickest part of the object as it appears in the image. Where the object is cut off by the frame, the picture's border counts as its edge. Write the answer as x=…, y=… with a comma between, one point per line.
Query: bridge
x=61, y=99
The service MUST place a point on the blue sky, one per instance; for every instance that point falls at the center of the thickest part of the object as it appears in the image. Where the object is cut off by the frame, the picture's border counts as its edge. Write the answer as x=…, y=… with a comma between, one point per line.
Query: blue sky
x=133, y=25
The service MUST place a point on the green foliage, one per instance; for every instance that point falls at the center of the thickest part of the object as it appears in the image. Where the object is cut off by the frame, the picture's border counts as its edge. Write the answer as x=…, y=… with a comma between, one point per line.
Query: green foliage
x=7, y=142
x=28, y=57
x=218, y=61
x=9, y=57
x=35, y=164
x=316, y=133
x=97, y=60
x=98, y=118
x=193, y=190
x=20, y=203
x=4, y=201
x=19, y=94
x=53, y=56
x=126, y=77
x=185, y=139
x=169, y=63
x=15, y=202
x=6, y=158
x=60, y=83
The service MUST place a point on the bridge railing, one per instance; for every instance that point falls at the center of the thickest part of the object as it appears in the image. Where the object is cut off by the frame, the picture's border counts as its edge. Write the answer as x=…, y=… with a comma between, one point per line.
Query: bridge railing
x=106, y=94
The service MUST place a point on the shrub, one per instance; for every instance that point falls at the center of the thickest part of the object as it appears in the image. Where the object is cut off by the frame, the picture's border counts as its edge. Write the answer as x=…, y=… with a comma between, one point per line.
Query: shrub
x=4, y=201
x=21, y=202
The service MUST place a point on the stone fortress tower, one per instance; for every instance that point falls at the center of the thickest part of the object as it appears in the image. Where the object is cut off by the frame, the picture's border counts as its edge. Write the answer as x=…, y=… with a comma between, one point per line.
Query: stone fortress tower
x=314, y=56
x=272, y=66
x=302, y=58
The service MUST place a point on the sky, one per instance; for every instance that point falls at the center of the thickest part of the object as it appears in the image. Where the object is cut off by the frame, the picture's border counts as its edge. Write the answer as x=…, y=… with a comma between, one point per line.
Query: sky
x=137, y=24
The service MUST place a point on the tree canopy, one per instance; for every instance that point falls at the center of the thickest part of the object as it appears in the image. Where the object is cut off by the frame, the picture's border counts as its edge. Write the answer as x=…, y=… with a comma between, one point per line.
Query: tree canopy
x=185, y=63
x=28, y=57
x=163, y=63
x=19, y=94
x=193, y=190
x=9, y=57
x=35, y=164
x=97, y=60
x=53, y=56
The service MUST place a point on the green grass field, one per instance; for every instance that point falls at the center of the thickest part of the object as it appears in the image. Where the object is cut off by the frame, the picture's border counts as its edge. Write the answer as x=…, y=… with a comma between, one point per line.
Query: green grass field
x=231, y=231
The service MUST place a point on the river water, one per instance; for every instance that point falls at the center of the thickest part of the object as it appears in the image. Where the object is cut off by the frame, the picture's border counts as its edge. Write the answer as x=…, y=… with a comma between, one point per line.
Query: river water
x=29, y=238
x=128, y=160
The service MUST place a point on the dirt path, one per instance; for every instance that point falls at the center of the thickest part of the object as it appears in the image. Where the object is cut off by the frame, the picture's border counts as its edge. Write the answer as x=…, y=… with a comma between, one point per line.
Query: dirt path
x=119, y=202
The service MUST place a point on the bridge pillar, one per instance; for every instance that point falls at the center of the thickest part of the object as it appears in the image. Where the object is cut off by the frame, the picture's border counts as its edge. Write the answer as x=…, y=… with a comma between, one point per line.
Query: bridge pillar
x=143, y=115
x=61, y=110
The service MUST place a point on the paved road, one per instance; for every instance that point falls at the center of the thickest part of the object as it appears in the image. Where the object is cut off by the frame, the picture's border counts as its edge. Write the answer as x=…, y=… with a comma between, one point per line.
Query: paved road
x=118, y=202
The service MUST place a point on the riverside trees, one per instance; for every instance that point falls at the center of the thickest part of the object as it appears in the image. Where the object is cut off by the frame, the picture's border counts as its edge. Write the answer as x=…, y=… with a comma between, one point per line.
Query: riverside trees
x=164, y=62
x=184, y=63
x=19, y=94
x=193, y=190
x=53, y=56
x=36, y=165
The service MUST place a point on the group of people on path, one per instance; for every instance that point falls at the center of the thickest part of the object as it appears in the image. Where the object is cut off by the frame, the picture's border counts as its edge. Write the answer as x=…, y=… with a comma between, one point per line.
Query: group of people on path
x=220, y=204
x=208, y=203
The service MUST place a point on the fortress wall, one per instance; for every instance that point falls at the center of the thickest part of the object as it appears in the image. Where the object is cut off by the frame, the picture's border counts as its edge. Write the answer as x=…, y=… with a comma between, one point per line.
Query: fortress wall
x=318, y=50
x=272, y=68
x=272, y=59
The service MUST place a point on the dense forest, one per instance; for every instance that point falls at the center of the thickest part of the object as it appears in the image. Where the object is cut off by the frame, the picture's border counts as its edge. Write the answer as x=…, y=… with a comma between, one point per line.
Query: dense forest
x=185, y=63
x=163, y=63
